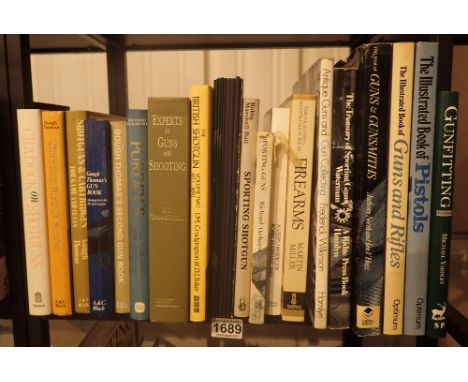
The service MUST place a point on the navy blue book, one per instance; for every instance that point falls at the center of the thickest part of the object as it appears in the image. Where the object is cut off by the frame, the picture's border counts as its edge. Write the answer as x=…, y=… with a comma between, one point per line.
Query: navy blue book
x=137, y=171
x=99, y=214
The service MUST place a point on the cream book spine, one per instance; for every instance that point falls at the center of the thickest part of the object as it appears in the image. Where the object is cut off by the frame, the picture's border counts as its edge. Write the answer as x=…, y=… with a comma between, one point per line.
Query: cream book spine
x=280, y=129
x=34, y=211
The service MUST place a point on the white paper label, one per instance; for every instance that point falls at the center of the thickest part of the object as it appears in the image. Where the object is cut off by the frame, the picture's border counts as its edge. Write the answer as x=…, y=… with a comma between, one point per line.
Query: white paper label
x=227, y=328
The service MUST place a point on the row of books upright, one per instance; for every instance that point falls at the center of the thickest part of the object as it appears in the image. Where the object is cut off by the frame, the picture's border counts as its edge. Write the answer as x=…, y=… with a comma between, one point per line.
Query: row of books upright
x=191, y=210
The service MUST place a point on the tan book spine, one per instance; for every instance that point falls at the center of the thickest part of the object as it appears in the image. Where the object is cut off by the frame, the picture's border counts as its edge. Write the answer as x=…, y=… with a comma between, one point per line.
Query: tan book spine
x=77, y=204
x=120, y=205
x=397, y=186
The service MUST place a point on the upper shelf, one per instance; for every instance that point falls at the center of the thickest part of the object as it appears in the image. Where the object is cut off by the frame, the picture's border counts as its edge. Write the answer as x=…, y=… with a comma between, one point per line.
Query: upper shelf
x=92, y=43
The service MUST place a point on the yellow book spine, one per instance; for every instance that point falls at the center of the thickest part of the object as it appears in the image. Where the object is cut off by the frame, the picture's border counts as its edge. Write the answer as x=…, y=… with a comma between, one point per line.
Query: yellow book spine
x=201, y=96
x=397, y=186
x=53, y=131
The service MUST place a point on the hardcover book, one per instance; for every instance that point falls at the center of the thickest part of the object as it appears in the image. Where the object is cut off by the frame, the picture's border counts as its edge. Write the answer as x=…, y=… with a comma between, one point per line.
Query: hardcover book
x=446, y=124
x=261, y=226
x=397, y=186
x=201, y=98
x=341, y=195
x=245, y=208
x=280, y=128
x=120, y=213
x=34, y=211
x=319, y=80
x=55, y=174
x=301, y=143
x=370, y=181
x=419, y=198
x=99, y=217
x=169, y=206
x=137, y=174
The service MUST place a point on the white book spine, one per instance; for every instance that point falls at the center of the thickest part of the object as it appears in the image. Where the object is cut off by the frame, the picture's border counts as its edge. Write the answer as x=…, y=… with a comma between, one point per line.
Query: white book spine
x=34, y=211
x=322, y=193
x=301, y=143
x=245, y=208
x=261, y=227
x=280, y=128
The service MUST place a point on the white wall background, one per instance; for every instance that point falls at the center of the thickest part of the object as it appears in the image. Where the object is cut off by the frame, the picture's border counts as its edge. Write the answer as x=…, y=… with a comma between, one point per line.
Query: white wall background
x=80, y=80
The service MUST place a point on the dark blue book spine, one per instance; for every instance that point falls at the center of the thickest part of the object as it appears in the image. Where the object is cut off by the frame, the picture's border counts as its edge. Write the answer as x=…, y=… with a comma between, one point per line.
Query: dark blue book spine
x=99, y=211
x=137, y=146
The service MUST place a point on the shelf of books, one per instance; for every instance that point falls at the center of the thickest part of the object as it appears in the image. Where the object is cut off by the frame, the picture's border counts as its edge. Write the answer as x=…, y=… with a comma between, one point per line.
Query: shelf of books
x=334, y=215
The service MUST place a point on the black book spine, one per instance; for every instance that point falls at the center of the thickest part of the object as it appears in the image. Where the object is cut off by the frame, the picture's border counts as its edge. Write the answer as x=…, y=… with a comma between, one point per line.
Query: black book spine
x=371, y=158
x=341, y=197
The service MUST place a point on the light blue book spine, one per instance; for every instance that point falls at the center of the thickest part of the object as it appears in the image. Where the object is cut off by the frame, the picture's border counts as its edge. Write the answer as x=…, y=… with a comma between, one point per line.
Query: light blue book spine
x=419, y=200
x=137, y=156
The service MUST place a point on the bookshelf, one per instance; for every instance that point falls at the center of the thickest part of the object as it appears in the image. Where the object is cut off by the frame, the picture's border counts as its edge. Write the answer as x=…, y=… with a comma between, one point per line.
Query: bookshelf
x=16, y=92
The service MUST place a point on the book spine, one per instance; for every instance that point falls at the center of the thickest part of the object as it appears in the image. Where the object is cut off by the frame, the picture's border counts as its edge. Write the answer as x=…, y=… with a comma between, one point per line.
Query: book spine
x=341, y=198
x=370, y=186
x=34, y=212
x=169, y=203
x=419, y=199
x=441, y=212
x=120, y=205
x=137, y=174
x=321, y=208
x=261, y=226
x=280, y=128
x=245, y=208
x=201, y=99
x=397, y=186
x=77, y=203
x=55, y=174
x=301, y=143
x=99, y=216
x=4, y=283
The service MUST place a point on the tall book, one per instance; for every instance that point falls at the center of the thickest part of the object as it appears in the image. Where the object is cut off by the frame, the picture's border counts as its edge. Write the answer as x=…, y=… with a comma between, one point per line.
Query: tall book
x=319, y=80
x=120, y=214
x=99, y=217
x=77, y=204
x=341, y=196
x=419, y=198
x=399, y=143
x=261, y=226
x=169, y=205
x=445, y=135
x=225, y=190
x=137, y=174
x=370, y=186
x=4, y=283
x=201, y=98
x=301, y=143
x=55, y=174
x=250, y=110
x=280, y=128
x=34, y=211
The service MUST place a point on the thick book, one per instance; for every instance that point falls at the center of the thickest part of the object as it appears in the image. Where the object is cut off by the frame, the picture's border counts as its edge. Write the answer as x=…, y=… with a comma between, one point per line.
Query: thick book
x=341, y=194
x=298, y=206
x=280, y=128
x=137, y=176
x=370, y=186
x=225, y=190
x=261, y=226
x=250, y=108
x=200, y=194
x=169, y=208
x=55, y=174
x=319, y=80
x=399, y=144
x=445, y=135
x=120, y=214
x=34, y=211
x=99, y=217
x=419, y=198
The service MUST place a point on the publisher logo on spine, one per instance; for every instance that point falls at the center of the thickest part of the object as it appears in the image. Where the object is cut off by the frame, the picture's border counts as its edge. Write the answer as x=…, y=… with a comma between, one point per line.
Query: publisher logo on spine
x=368, y=317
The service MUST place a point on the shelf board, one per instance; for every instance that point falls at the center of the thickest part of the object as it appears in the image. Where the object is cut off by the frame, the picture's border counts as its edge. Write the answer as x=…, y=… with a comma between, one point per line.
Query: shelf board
x=67, y=43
